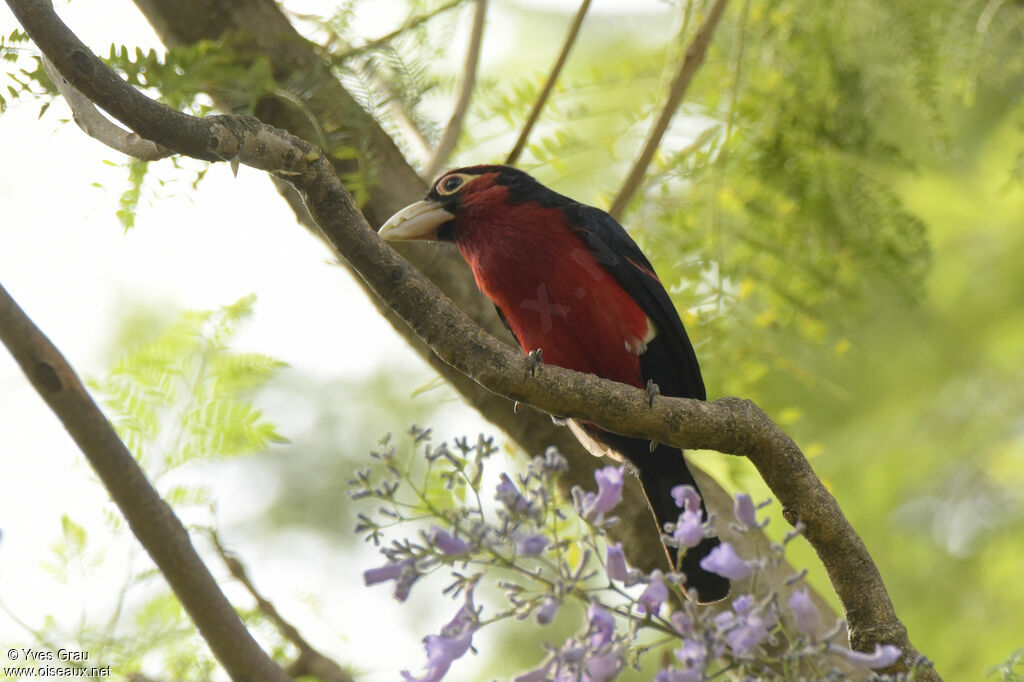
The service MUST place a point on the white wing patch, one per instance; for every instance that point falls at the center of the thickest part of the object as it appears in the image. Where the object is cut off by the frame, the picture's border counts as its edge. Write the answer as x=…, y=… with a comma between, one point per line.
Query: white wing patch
x=638, y=346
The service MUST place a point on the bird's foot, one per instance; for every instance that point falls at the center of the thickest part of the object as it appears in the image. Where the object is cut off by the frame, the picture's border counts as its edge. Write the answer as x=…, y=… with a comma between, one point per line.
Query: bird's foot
x=536, y=360
x=652, y=391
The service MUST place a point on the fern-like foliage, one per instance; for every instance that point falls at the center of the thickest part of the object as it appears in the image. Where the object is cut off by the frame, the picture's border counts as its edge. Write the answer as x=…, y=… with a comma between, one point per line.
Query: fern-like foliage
x=22, y=73
x=184, y=395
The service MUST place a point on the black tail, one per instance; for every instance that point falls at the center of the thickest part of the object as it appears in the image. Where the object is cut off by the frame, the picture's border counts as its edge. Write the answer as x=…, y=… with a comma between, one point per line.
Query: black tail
x=659, y=472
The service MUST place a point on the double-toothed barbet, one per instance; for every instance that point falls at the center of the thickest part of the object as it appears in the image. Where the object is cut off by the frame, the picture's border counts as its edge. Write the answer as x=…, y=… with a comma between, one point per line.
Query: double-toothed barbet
x=567, y=279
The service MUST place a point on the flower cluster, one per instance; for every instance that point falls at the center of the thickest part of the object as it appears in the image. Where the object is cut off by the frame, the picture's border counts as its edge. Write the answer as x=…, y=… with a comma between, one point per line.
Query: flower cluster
x=544, y=556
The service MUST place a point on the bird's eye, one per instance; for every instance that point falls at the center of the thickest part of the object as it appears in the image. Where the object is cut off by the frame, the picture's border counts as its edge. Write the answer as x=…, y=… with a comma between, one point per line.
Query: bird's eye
x=451, y=184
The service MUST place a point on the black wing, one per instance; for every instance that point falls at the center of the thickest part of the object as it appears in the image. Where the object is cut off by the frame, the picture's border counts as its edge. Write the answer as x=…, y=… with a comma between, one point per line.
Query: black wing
x=669, y=360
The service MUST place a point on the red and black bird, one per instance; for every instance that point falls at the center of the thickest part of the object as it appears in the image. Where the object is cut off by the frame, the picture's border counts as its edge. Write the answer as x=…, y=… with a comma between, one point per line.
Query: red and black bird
x=567, y=279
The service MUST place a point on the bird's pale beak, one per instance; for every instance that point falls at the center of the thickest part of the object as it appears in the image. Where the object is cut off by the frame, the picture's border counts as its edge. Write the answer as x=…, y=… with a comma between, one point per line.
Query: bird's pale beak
x=416, y=221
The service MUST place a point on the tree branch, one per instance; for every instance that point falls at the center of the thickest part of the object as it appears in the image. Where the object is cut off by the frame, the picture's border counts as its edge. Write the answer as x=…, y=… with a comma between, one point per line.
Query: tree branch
x=99, y=127
x=310, y=661
x=450, y=137
x=150, y=518
x=728, y=425
x=549, y=84
x=693, y=59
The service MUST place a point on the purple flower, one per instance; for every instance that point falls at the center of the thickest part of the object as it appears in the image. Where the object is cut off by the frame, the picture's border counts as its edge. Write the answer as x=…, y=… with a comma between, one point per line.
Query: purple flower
x=883, y=656
x=455, y=639
x=805, y=613
x=686, y=497
x=508, y=494
x=681, y=622
x=609, y=492
x=616, y=563
x=403, y=572
x=389, y=571
x=606, y=666
x=724, y=561
x=530, y=544
x=693, y=653
x=552, y=461
x=602, y=625
x=654, y=596
x=749, y=633
x=742, y=603
x=448, y=544
x=744, y=510
x=676, y=675
x=546, y=612
x=690, y=529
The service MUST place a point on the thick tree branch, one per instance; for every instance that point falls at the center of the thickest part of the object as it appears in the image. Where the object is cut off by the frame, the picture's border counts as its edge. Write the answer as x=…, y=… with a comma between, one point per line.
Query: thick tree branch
x=549, y=84
x=728, y=425
x=450, y=137
x=691, y=62
x=150, y=518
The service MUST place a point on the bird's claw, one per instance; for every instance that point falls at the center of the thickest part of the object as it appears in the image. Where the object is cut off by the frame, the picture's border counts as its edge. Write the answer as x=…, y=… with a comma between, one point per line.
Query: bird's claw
x=536, y=360
x=652, y=391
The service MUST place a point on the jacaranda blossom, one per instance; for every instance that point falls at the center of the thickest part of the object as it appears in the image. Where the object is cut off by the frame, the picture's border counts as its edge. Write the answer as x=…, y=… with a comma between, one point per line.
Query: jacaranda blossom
x=508, y=494
x=547, y=610
x=615, y=562
x=404, y=574
x=609, y=492
x=744, y=510
x=655, y=595
x=686, y=497
x=724, y=561
x=805, y=613
x=455, y=639
x=883, y=656
x=448, y=544
x=602, y=626
x=530, y=544
x=690, y=528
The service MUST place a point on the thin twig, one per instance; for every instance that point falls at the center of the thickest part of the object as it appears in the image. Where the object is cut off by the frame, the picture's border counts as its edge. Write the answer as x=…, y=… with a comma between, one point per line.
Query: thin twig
x=310, y=661
x=549, y=85
x=150, y=518
x=385, y=39
x=450, y=137
x=687, y=68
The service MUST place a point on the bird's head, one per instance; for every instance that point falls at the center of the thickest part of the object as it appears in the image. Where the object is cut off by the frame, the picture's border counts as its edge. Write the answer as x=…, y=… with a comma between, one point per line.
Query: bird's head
x=463, y=198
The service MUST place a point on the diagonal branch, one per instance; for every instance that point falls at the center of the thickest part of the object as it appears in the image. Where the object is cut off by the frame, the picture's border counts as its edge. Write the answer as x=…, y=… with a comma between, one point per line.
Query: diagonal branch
x=150, y=518
x=728, y=425
x=310, y=662
x=549, y=85
x=450, y=137
x=691, y=62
